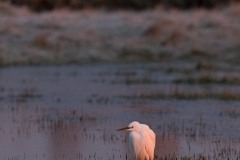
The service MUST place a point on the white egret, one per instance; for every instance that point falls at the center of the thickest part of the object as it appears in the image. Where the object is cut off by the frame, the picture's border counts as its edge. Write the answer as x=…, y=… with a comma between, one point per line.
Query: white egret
x=141, y=140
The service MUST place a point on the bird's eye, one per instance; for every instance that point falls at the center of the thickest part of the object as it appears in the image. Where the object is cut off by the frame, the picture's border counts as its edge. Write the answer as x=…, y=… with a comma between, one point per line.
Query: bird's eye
x=132, y=127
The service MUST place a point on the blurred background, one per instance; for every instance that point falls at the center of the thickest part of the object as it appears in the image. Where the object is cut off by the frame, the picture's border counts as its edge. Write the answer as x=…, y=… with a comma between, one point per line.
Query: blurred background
x=77, y=32
x=40, y=5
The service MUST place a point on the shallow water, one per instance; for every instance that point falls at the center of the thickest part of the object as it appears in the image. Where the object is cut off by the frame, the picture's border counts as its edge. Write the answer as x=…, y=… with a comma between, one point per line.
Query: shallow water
x=72, y=112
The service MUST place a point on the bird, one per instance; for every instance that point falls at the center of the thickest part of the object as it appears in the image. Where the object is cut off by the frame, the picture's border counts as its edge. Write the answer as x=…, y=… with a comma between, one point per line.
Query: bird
x=142, y=140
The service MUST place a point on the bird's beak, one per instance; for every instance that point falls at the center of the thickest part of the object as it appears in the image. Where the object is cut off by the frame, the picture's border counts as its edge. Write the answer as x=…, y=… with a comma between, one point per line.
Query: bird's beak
x=122, y=129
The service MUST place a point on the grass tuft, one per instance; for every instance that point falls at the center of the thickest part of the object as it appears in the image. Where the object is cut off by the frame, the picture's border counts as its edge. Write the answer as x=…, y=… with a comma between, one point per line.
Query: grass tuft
x=181, y=94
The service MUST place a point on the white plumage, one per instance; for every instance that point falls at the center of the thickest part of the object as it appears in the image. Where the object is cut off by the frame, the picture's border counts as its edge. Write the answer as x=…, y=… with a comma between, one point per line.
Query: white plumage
x=141, y=140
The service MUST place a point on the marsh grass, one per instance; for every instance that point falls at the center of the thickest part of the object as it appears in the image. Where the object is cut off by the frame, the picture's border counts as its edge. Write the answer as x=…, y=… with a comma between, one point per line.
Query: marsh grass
x=6, y=8
x=194, y=157
x=144, y=80
x=209, y=79
x=232, y=113
x=122, y=36
x=25, y=95
x=136, y=80
x=182, y=94
x=41, y=41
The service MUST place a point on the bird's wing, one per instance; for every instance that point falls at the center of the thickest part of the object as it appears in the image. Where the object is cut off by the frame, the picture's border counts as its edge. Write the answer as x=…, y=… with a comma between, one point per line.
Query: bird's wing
x=150, y=133
x=149, y=147
x=150, y=139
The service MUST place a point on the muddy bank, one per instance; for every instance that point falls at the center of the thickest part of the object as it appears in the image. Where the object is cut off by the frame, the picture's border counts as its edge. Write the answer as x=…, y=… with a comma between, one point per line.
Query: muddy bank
x=89, y=36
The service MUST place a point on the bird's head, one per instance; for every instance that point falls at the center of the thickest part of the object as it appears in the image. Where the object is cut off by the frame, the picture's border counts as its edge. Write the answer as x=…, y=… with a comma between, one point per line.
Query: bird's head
x=133, y=126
